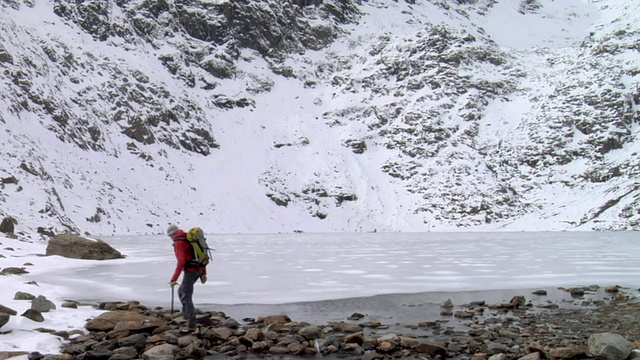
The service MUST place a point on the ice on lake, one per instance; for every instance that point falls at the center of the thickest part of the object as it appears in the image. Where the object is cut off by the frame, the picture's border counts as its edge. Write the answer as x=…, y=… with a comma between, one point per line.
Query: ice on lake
x=286, y=268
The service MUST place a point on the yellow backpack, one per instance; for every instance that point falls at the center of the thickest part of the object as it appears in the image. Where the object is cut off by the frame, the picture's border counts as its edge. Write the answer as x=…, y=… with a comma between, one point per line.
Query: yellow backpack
x=201, y=251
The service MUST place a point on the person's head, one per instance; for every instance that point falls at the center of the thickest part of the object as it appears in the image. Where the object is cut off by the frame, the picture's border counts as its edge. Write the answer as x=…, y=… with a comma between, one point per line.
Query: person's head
x=172, y=230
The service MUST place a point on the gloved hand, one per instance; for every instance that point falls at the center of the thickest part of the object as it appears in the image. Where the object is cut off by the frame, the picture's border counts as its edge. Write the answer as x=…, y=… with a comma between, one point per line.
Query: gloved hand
x=203, y=279
x=173, y=283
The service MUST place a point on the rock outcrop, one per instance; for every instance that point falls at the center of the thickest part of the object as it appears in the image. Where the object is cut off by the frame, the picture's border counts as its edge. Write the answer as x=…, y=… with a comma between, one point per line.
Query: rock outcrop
x=77, y=247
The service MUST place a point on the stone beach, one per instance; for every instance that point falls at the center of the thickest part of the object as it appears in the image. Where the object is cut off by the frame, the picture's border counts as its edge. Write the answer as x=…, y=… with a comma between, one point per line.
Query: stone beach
x=564, y=323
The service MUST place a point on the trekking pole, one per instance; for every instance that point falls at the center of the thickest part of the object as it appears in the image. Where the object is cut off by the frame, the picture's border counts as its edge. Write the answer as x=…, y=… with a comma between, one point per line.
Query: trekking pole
x=172, y=295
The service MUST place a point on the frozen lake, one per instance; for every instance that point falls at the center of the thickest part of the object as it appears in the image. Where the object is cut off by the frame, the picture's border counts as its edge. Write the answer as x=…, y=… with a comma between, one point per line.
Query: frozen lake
x=286, y=268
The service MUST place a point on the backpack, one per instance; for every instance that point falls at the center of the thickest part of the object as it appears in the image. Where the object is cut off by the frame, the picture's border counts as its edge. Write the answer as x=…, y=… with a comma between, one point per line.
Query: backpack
x=201, y=251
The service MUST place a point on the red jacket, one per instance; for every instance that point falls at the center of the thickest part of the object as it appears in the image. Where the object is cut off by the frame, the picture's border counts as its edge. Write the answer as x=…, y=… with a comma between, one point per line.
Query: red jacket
x=184, y=254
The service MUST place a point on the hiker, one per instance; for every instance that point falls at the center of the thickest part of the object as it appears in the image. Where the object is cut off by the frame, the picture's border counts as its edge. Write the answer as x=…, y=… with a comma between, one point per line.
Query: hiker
x=191, y=274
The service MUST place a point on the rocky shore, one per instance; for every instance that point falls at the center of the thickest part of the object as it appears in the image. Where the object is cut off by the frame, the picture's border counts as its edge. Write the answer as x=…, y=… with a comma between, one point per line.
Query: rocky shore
x=586, y=323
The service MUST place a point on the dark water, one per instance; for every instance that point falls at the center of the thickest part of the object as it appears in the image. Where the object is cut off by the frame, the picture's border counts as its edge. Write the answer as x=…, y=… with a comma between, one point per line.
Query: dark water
x=401, y=309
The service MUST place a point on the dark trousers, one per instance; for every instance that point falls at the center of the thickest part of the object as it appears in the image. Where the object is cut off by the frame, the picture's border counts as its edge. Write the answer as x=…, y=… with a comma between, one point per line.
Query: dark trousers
x=185, y=292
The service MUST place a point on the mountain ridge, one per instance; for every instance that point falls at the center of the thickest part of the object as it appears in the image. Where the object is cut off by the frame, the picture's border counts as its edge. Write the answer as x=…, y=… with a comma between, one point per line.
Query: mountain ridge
x=123, y=117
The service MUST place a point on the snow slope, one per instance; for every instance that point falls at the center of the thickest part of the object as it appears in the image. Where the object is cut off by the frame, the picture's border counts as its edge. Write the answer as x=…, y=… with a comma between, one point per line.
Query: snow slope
x=417, y=116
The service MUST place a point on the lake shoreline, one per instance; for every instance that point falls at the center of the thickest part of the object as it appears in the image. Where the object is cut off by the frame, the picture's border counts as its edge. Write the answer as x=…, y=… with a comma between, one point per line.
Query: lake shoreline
x=406, y=308
x=460, y=325
x=457, y=325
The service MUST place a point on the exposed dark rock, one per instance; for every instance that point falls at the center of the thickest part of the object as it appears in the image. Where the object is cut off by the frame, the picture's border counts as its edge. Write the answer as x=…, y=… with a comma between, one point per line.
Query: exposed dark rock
x=4, y=319
x=69, y=305
x=23, y=296
x=13, y=271
x=5, y=57
x=45, y=231
x=77, y=247
x=8, y=311
x=110, y=320
x=609, y=346
x=8, y=180
x=42, y=304
x=358, y=146
x=8, y=225
x=34, y=315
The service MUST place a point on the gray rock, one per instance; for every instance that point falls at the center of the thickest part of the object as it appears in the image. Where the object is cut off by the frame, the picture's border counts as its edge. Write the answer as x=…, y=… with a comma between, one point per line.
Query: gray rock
x=137, y=341
x=577, y=292
x=162, y=352
x=99, y=354
x=11, y=354
x=23, y=296
x=355, y=338
x=432, y=349
x=42, y=304
x=231, y=323
x=409, y=342
x=13, y=271
x=125, y=353
x=221, y=333
x=193, y=351
x=448, y=304
x=77, y=247
x=4, y=319
x=356, y=316
x=372, y=355
x=531, y=356
x=566, y=352
x=34, y=315
x=278, y=350
x=252, y=335
x=345, y=327
x=310, y=332
x=609, y=346
x=121, y=320
x=69, y=305
x=493, y=348
x=109, y=345
x=390, y=337
x=8, y=311
x=500, y=356
x=7, y=225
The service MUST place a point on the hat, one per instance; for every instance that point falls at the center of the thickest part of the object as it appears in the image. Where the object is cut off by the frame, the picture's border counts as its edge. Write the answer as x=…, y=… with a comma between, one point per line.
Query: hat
x=172, y=230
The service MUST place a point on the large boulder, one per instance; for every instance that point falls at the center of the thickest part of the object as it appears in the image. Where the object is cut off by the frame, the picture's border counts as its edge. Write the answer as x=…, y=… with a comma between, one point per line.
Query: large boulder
x=122, y=320
x=8, y=311
x=4, y=319
x=34, y=315
x=78, y=247
x=42, y=304
x=7, y=225
x=609, y=346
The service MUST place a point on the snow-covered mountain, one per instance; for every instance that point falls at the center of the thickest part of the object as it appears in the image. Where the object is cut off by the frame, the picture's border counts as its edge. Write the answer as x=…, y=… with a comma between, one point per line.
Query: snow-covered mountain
x=319, y=116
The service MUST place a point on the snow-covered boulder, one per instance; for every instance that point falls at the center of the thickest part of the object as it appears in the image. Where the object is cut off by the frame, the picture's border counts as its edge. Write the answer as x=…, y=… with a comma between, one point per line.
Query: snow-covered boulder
x=77, y=247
